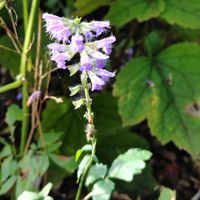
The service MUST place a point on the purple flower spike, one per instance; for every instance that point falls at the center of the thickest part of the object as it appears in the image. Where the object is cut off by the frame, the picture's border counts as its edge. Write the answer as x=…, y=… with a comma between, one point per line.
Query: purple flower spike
x=86, y=62
x=76, y=37
x=100, y=63
x=100, y=26
x=56, y=28
x=104, y=74
x=97, y=83
x=77, y=44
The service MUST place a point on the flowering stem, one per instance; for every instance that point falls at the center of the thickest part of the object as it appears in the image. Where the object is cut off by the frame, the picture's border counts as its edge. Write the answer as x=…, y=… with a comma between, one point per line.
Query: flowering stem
x=90, y=136
x=23, y=74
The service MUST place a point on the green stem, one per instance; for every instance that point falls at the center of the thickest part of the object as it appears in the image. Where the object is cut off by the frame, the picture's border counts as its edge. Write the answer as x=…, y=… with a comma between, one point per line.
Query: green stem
x=10, y=86
x=25, y=15
x=23, y=74
x=86, y=169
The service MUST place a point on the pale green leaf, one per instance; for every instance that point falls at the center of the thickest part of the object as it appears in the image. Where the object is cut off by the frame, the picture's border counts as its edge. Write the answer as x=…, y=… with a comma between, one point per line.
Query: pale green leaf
x=7, y=185
x=82, y=165
x=124, y=11
x=26, y=195
x=167, y=194
x=102, y=190
x=2, y=3
x=6, y=151
x=186, y=13
x=126, y=165
x=85, y=148
x=96, y=172
x=46, y=189
x=8, y=168
x=164, y=90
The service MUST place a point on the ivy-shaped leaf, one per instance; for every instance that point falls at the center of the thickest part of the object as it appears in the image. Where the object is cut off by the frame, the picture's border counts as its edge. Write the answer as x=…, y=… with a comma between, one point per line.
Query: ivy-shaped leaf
x=126, y=165
x=166, y=91
x=124, y=11
x=186, y=13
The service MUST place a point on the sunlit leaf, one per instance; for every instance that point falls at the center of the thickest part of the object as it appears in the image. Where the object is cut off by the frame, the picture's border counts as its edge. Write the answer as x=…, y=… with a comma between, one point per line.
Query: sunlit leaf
x=167, y=194
x=96, y=172
x=126, y=165
x=102, y=190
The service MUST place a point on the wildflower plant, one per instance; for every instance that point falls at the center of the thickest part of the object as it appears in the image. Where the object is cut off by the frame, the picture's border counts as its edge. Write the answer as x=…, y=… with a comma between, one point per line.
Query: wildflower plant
x=75, y=37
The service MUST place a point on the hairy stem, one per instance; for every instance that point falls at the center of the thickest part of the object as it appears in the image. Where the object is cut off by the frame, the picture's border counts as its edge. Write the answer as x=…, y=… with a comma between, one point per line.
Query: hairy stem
x=23, y=73
x=90, y=136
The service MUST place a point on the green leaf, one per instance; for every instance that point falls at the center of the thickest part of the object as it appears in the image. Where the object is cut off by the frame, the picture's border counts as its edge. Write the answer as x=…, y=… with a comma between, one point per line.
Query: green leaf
x=82, y=165
x=7, y=185
x=88, y=6
x=126, y=165
x=63, y=118
x=78, y=103
x=74, y=90
x=13, y=114
x=46, y=189
x=8, y=168
x=167, y=194
x=186, y=13
x=171, y=103
x=102, y=190
x=153, y=42
x=141, y=10
x=51, y=141
x=85, y=148
x=2, y=3
x=6, y=151
x=96, y=172
x=26, y=195
x=66, y=163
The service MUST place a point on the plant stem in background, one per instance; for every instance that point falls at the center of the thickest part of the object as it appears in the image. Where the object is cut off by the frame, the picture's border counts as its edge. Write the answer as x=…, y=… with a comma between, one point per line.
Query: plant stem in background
x=23, y=73
x=10, y=86
x=25, y=15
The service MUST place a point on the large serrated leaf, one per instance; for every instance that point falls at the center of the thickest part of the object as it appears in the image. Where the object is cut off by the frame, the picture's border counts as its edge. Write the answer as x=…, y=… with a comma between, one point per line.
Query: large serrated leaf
x=164, y=90
x=186, y=13
x=141, y=10
x=126, y=165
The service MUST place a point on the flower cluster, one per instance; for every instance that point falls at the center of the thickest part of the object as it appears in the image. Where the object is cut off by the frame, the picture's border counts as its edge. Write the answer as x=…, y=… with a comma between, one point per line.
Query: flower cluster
x=76, y=37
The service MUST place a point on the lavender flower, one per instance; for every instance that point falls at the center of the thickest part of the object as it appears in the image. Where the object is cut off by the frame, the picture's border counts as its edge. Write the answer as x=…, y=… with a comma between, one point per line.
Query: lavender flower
x=76, y=37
